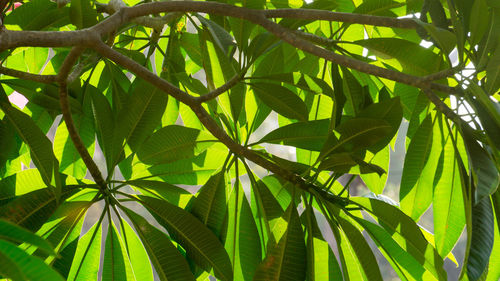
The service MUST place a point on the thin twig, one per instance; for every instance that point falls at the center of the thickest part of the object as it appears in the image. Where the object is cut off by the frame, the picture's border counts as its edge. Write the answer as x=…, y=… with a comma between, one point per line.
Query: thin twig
x=68, y=119
x=215, y=93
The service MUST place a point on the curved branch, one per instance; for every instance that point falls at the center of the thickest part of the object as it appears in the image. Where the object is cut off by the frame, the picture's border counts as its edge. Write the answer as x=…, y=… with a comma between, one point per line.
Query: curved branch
x=209, y=123
x=86, y=37
x=215, y=93
x=47, y=79
x=68, y=119
x=312, y=14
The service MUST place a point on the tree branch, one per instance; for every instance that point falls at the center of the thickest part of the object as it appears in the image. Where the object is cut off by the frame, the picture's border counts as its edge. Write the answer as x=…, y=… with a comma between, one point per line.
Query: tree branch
x=86, y=37
x=47, y=79
x=68, y=119
x=313, y=14
x=209, y=123
x=215, y=93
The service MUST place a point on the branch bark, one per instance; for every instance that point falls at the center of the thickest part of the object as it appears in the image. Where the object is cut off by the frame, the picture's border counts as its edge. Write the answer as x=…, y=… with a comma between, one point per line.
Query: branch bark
x=68, y=119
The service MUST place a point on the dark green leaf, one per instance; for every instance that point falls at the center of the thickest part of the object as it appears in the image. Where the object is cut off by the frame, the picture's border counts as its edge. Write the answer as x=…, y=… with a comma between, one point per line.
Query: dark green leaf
x=481, y=240
x=173, y=143
x=167, y=260
x=281, y=100
x=200, y=243
x=286, y=260
x=31, y=267
x=307, y=135
x=82, y=13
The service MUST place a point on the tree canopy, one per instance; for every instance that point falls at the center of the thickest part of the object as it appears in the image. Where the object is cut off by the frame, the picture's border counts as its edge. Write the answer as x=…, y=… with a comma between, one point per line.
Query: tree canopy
x=145, y=140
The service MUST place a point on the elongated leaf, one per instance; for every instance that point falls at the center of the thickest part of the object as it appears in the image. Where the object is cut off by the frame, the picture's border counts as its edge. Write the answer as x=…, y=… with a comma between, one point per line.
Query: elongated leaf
x=421, y=62
x=286, y=260
x=388, y=110
x=358, y=243
x=137, y=253
x=30, y=210
x=31, y=267
x=222, y=38
x=104, y=124
x=448, y=205
x=307, y=135
x=40, y=146
x=405, y=265
x=139, y=117
x=481, y=240
x=484, y=173
x=38, y=15
x=200, y=243
x=64, y=149
x=12, y=232
x=210, y=203
x=353, y=92
x=116, y=265
x=356, y=134
x=321, y=261
x=85, y=264
x=241, y=238
x=406, y=233
x=167, y=260
x=164, y=190
x=415, y=197
x=82, y=14
x=173, y=143
x=281, y=100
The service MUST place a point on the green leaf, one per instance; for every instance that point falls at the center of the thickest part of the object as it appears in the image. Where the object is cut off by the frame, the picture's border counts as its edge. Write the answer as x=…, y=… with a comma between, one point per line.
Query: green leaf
x=40, y=146
x=421, y=62
x=448, y=202
x=104, y=124
x=281, y=100
x=164, y=190
x=405, y=232
x=210, y=203
x=241, y=238
x=21, y=183
x=116, y=264
x=137, y=251
x=378, y=7
x=478, y=25
x=12, y=232
x=85, y=264
x=222, y=38
x=389, y=110
x=173, y=143
x=414, y=196
x=309, y=135
x=38, y=15
x=167, y=260
x=445, y=39
x=29, y=267
x=405, y=265
x=286, y=260
x=64, y=149
x=356, y=134
x=82, y=13
x=321, y=261
x=358, y=243
x=481, y=240
x=484, y=173
x=353, y=92
x=143, y=112
x=30, y=210
x=200, y=243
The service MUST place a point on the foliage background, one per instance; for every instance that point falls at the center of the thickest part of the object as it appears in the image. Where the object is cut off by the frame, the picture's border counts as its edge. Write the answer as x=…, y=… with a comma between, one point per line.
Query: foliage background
x=176, y=97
